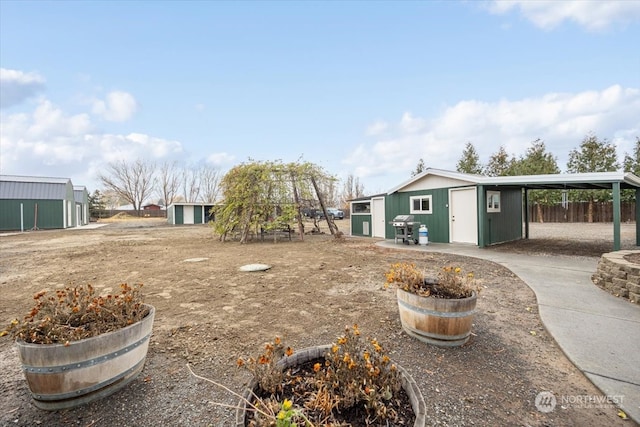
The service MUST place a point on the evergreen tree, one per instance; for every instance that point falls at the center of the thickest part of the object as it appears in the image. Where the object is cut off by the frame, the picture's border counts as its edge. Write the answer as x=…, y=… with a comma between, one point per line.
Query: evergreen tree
x=537, y=161
x=593, y=155
x=470, y=161
x=420, y=167
x=96, y=204
x=631, y=164
x=500, y=164
x=632, y=161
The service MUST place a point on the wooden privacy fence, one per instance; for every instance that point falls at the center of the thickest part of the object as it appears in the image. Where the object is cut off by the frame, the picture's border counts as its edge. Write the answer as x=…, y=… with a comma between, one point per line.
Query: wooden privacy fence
x=108, y=213
x=579, y=211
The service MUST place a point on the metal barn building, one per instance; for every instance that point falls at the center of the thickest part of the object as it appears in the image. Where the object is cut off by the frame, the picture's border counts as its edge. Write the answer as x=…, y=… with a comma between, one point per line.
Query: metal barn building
x=32, y=203
x=189, y=213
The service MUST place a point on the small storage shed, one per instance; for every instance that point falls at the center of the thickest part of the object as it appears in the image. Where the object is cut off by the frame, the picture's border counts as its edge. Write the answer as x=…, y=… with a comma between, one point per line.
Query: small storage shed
x=465, y=208
x=189, y=213
x=32, y=203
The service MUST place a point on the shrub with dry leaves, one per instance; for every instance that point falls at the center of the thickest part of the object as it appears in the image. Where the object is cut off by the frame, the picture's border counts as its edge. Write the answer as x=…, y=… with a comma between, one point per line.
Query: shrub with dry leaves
x=355, y=373
x=75, y=313
x=451, y=281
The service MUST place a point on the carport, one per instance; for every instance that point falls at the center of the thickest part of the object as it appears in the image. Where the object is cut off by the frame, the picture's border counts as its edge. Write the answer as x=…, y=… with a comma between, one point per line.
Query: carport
x=612, y=181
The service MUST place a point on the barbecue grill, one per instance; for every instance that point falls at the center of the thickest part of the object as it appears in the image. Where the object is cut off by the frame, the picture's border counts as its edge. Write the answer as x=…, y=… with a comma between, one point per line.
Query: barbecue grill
x=406, y=229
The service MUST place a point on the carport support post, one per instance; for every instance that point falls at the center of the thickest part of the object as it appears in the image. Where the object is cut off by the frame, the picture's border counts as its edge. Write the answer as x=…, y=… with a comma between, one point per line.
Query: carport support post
x=637, y=216
x=481, y=216
x=616, y=216
x=526, y=213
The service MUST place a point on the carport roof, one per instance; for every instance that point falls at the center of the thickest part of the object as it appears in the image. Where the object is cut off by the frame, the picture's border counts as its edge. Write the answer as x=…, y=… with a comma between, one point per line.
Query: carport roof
x=580, y=181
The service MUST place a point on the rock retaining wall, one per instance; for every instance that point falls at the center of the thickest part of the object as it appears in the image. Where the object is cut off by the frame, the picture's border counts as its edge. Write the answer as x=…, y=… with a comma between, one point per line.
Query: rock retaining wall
x=619, y=276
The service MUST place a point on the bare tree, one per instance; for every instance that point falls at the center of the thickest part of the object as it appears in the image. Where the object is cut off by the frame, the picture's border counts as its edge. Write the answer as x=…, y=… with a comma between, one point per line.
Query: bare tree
x=168, y=182
x=133, y=182
x=209, y=183
x=111, y=199
x=352, y=189
x=190, y=184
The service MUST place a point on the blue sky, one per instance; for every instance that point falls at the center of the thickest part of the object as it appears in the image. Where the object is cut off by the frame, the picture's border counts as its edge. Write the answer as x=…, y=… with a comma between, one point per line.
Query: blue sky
x=362, y=88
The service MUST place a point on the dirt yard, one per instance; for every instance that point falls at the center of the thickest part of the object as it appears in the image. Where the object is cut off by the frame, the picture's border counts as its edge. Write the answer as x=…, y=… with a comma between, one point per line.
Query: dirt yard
x=209, y=313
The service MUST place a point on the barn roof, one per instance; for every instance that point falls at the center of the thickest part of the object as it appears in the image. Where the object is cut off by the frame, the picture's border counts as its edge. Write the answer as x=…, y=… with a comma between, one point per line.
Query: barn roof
x=32, y=187
x=79, y=192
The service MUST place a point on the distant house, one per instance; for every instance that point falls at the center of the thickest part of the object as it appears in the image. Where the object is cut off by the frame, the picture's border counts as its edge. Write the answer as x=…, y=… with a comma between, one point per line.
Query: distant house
x=32, y=203
x=152, y=207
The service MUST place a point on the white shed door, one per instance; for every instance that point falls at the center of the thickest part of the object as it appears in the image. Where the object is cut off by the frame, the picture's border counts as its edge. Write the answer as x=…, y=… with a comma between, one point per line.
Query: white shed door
x=463, y=215
x=377, y=217
x=188, y=215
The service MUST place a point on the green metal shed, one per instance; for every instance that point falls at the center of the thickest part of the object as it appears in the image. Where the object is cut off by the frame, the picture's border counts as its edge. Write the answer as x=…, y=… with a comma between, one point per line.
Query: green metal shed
x=32, y=203
x=179, y=213
x=465, y=208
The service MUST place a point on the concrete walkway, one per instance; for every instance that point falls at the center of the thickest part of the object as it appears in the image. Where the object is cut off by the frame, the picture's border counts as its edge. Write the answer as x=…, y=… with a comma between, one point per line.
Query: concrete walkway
x=598, y=332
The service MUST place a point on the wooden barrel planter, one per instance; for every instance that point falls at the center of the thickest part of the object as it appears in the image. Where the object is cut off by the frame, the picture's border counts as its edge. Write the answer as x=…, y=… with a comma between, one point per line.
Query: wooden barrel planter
x=64, y=376
x=439, y=321
x=313, y=353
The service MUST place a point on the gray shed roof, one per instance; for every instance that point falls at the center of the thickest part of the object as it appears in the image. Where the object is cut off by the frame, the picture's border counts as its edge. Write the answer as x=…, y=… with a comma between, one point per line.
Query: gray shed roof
x=33, y=188
x=79, y=192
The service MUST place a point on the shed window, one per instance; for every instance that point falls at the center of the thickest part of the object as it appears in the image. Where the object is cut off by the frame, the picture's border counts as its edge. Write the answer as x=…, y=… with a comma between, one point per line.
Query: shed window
x=420, y=205
x=493, y=201
x=361, y=207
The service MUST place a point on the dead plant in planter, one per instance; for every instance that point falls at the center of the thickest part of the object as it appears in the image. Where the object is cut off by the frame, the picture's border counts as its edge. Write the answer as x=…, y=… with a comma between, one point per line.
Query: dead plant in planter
x=451, y=282
x=76, y=346
x=438, y=310
x=75, y=313
x=354, y=377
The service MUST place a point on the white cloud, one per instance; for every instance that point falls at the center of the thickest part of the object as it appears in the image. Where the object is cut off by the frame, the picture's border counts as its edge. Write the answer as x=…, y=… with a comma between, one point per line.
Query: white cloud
x=220, y=159
x=17, y=86
x=377, y=128
x=50, y=142
x=561, y=120
x=411, y=124
x=117, y=107
x=593, y=15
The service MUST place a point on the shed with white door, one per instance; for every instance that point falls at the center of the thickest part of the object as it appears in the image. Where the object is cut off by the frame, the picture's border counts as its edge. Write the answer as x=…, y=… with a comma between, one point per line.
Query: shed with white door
x=179, y=213
x=464, y=208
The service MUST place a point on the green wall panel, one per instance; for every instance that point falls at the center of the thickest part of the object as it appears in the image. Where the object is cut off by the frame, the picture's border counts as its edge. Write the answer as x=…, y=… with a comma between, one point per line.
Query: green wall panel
x=506, y=225
x=197, y=214
x=50, y=214
x=179, y=214
x=437, y=222
x=357, y=225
